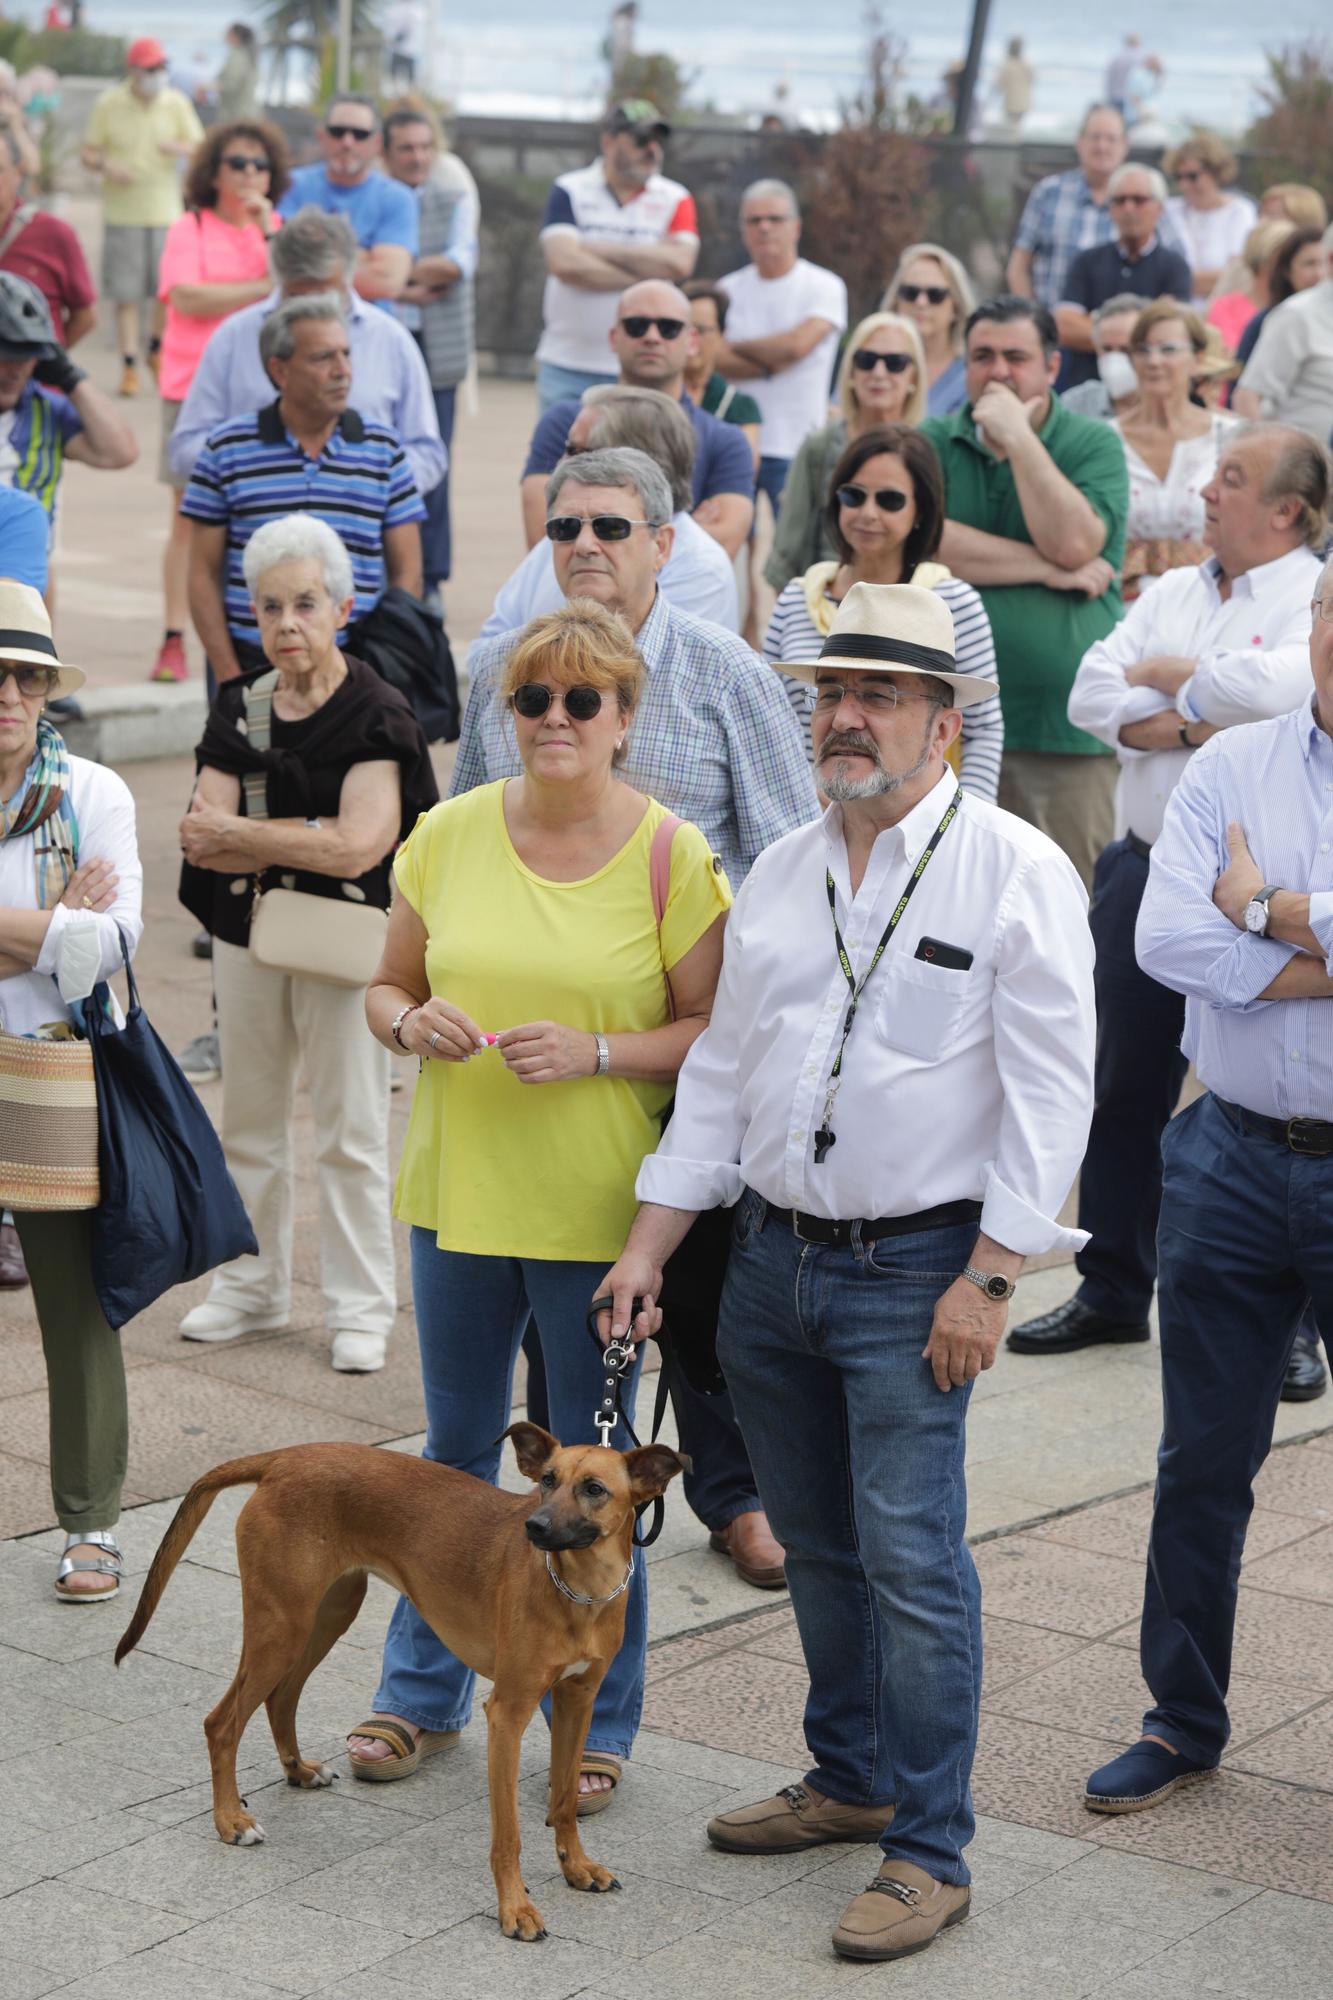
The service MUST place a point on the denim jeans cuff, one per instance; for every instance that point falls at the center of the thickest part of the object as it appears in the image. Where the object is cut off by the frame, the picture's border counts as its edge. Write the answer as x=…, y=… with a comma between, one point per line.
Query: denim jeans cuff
x=957, y=1877
x=819, y=1782
x=1180, y=1739
x=384, y=1704
x=624, y=1751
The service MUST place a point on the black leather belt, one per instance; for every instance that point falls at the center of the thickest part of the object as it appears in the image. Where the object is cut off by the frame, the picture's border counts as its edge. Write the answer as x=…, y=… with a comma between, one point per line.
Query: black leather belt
x=1312, y=1136
x=820, y=1229
x=1143, y=848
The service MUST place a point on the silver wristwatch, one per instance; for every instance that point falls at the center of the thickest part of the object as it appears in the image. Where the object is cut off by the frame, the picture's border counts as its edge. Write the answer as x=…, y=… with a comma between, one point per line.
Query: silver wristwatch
x=995, y=1287
x=1256, y=910
x=603, y=1054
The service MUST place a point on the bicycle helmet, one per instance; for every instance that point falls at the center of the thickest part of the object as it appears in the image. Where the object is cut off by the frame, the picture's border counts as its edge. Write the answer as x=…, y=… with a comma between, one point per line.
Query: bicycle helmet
x=26, y=332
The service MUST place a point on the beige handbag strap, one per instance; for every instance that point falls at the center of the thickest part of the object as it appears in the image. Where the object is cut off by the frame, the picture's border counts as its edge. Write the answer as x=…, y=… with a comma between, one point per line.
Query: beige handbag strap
x=258, y=703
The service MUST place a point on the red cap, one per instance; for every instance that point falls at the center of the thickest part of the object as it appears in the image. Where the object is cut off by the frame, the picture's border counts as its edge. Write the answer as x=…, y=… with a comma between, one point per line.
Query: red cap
x=146, y=53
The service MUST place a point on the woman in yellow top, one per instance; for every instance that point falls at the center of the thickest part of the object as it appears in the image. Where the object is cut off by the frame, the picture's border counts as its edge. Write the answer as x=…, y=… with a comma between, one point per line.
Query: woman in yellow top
x=526, y=967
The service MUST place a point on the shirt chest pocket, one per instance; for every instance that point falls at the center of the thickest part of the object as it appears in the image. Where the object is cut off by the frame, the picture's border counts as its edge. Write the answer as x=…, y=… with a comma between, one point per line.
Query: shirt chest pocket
x=920, y=1008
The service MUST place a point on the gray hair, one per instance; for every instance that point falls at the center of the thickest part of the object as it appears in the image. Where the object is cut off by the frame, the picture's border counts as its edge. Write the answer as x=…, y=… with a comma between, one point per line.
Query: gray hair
x=1123, y=302
x=298, y=538
x=772, y=191
x=1155, y=180
x=633, y=471
x=359, y=99
x=645, y=420
x=277, y=337
x=312, y=245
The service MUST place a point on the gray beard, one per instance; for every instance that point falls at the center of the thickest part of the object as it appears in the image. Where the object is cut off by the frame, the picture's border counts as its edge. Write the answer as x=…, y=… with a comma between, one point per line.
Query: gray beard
x=842, y=789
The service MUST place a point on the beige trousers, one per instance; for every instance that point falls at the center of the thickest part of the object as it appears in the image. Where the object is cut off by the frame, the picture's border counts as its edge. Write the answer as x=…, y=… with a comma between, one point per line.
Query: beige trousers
x=270, y=1024
x=1071, y=798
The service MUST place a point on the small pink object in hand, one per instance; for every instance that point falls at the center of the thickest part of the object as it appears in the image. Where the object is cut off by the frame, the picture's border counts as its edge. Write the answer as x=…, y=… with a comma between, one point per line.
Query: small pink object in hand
x=489, y=1041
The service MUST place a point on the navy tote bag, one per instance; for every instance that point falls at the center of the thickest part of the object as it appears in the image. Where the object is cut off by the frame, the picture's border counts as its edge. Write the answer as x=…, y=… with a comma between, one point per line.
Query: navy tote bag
x=169, y=1209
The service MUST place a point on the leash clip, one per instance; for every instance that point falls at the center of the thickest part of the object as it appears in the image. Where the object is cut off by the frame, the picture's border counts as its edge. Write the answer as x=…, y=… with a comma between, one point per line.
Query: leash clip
x=618, y=1359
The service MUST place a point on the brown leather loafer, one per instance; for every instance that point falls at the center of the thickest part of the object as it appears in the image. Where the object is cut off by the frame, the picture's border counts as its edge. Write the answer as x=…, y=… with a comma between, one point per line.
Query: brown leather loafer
x=756, y=1557
x=901, y=1911
x=13, y=1270
x=797, y=1817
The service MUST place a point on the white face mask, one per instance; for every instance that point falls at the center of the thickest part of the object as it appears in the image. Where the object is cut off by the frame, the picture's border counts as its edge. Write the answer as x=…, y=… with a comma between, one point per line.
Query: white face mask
x=148, y=82
x=1117, y=373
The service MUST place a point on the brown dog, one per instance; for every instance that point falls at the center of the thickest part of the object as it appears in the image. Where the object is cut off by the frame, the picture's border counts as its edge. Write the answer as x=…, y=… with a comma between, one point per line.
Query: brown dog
x=529, y=1592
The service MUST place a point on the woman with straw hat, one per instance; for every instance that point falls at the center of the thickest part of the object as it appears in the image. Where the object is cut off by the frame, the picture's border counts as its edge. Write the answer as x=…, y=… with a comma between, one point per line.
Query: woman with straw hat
x=70, y=887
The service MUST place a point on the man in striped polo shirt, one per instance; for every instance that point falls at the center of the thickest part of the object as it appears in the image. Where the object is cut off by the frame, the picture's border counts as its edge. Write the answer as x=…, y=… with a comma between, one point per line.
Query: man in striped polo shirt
x=308, y=452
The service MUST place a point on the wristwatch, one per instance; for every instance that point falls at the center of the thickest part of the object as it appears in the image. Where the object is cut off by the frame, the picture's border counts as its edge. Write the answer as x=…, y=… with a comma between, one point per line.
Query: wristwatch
x=995, y=1287
x=1256, y=910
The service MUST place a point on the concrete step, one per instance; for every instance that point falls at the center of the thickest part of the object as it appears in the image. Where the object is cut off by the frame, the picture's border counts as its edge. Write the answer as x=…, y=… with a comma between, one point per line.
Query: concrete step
x=125, y=725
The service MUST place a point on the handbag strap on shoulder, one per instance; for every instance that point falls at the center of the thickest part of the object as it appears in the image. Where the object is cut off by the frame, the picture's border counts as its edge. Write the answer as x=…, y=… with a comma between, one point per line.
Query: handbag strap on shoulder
x=257, y=701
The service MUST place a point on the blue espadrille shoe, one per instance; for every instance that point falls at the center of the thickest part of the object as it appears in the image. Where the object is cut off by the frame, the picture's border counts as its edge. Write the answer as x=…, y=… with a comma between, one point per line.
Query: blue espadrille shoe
x=1140, y=1777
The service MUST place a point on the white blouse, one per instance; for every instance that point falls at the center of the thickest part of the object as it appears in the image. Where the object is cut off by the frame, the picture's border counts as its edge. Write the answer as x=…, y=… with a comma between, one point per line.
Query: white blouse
x=1171, y=509
x=104, y=808
x=1212, y=236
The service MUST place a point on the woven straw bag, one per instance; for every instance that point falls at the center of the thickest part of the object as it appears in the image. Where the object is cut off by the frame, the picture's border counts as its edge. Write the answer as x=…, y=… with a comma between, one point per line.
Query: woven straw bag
x=48, y=1125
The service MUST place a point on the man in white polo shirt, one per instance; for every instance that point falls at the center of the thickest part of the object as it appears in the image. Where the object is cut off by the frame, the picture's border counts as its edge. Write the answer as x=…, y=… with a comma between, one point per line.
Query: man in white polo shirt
x=606, y=225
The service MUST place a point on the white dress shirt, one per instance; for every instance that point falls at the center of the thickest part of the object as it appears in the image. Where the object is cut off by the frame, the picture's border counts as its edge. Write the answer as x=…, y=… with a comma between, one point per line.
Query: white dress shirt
x=1253, y=654
x=956, y=1085
x=1276, y=779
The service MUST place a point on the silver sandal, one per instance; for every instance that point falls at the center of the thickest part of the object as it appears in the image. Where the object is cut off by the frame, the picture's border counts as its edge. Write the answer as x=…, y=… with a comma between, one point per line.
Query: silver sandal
x=111, y=1564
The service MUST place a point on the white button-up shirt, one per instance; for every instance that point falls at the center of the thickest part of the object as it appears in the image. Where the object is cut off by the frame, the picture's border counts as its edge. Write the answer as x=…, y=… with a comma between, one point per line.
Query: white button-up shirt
x=956, y=1085
x=1276, y=779
x=1253, y=654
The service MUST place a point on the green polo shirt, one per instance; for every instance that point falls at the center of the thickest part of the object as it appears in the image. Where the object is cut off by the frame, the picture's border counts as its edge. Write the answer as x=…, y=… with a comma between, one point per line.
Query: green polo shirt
x=1040, y=634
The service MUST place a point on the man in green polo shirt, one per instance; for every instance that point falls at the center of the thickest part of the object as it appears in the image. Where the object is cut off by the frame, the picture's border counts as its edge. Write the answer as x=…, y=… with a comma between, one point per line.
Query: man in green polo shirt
x=1036, y=500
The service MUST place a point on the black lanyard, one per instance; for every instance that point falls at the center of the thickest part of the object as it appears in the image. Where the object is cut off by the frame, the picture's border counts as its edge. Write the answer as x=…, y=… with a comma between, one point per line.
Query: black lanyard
x=825, y=1136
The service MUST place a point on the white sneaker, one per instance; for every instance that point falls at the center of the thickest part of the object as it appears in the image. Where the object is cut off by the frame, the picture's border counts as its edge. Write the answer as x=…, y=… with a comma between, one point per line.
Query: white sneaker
x=201, y=1059
x=358, y=1353
x=220, y=1322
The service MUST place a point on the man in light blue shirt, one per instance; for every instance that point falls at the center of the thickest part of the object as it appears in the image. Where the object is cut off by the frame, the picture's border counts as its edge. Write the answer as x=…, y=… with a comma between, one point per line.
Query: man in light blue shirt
x=315, y=253
x=24, y=535
x=348, y=182
x=1238, y=916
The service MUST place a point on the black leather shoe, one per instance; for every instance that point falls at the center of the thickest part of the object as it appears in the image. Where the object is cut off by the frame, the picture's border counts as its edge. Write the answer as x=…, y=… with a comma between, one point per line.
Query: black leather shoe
x=1306, y=1376
x=1073, y=1325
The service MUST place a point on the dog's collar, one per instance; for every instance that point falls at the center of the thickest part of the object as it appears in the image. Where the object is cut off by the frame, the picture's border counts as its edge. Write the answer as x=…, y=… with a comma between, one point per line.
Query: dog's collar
x=577, y=1596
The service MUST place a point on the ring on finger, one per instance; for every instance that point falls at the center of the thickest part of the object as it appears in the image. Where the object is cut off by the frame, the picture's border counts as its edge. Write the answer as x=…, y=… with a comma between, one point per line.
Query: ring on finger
x=434, y=1038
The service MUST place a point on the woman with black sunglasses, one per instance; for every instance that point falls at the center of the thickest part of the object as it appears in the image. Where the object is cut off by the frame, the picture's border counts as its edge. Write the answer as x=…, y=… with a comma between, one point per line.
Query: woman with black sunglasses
x=884, y=518
x=881, y=380
x=931, y=288
x=552, y=954
x=214, y=261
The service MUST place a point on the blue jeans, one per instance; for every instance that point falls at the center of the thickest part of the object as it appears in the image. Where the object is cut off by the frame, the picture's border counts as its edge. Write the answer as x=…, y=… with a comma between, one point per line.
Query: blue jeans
x=859, y=1459
x=471, y=1312
x=558, y=385
x=771, y=478
x=1246, y=1232
x=436, y=545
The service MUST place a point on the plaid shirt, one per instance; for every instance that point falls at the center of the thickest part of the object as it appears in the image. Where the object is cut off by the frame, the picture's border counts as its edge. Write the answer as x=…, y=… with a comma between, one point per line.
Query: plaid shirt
x=1060, y=219
x=714, y=739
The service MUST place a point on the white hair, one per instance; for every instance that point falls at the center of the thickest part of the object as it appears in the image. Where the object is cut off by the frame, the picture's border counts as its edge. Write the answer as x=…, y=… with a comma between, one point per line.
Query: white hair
x=772, y=191
x=1155, y=180
x=298, y=538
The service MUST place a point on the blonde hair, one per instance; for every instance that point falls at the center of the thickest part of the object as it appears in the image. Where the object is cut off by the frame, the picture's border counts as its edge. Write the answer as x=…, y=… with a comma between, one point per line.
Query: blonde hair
x=955, y=277
x=1303, y=205
x=1207, y=151
x=1264, y=241
x=914, y=409
x=1164, y=309
x=581, y=644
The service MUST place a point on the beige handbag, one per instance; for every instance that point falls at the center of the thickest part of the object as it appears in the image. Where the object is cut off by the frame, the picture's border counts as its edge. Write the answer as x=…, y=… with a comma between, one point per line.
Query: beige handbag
x=48, y=1124
x=312, y=937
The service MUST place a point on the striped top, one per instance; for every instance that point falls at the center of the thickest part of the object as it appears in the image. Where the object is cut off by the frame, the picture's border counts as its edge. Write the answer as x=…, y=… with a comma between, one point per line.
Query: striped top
x=793, y=635
x=33, y=440
x=252, y=470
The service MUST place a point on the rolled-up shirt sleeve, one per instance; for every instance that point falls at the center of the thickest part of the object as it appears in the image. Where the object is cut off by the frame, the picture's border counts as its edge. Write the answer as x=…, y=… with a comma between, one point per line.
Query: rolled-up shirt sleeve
x=1321, y=923
x=1182, y=939
x=1044, y=1015
x=697, y=1164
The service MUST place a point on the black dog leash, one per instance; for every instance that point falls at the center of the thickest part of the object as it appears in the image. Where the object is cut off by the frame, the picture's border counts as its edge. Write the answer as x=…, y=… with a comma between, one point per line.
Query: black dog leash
x=617, y=1360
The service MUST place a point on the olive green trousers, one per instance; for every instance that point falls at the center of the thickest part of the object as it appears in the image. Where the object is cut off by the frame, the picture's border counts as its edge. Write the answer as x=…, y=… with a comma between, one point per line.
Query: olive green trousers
x=85, y=1371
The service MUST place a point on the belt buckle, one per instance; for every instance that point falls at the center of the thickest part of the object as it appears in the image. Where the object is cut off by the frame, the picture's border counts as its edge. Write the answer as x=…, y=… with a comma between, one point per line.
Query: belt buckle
x=1296, y=1136
x=796, y=1229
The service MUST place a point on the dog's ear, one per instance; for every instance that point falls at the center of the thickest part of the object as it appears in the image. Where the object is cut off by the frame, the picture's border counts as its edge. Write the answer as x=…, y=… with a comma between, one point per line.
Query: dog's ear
x=532, y=1447
x=652, y=1467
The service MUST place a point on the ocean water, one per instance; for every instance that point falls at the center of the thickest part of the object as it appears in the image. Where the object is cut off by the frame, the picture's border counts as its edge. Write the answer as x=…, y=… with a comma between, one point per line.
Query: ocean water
x=542, y=57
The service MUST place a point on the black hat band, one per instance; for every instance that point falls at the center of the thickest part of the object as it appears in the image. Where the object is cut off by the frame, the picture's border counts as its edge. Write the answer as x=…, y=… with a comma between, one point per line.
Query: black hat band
x=901, y=652
x=29, y=642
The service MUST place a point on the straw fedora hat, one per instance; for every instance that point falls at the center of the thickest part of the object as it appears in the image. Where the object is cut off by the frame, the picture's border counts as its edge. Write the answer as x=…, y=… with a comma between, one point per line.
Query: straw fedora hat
x=25, y=635
x=894, y=628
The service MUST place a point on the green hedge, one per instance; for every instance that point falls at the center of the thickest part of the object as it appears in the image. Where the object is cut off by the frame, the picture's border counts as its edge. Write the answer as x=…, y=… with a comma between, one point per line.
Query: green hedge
x=68, y=51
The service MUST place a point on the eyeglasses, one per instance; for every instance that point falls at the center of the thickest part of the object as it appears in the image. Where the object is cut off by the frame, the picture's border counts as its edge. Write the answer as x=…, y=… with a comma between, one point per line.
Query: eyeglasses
x=636, y=326
x=867, y=361
x=606, y=527
x=1189, y=174
x=350, y=131
x=31, y=680
x=887, y=498
x=935, y=295
x=238, y=162
x=874, y=700
x=1166, y=347
x=534, y=698
x=1132, y=200
x=1321, y=606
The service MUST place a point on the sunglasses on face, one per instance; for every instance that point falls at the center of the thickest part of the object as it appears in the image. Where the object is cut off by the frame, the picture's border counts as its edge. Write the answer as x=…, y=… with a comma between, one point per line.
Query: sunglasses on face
x=1189, y=174
x=887, y=498
x=350, y=131
x=31, y=680
x=238, y=162
x=606, y=527
x=534, y=698
x=1132, y=200
x=867, y=361
x=636, y=326
x=934, y=295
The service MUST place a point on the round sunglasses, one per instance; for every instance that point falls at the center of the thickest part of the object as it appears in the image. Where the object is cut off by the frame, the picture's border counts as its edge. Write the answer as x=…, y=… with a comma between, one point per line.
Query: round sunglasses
x=935, y=295
x=887, y=498
x=534, y=698
x=866, y=360
x=606, y=527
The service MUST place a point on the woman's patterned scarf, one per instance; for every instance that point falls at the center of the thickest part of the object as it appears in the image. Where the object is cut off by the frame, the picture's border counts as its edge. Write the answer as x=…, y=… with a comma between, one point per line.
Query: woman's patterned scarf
x=45, y=810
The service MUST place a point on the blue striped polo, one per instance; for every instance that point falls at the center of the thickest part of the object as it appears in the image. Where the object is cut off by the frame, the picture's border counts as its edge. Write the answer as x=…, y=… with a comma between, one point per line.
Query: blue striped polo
x=252, y=470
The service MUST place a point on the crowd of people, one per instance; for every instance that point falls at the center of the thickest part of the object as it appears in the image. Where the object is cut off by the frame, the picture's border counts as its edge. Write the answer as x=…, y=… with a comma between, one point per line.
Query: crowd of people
x=1033, y=551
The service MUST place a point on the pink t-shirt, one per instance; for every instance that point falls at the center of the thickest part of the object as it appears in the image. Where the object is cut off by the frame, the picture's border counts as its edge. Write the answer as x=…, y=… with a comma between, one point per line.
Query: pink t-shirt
x=201, y=250
x=1231, y=314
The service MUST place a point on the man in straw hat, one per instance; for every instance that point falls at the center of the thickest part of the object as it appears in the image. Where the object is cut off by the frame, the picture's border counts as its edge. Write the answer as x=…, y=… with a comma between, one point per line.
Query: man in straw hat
x=894, y=1089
